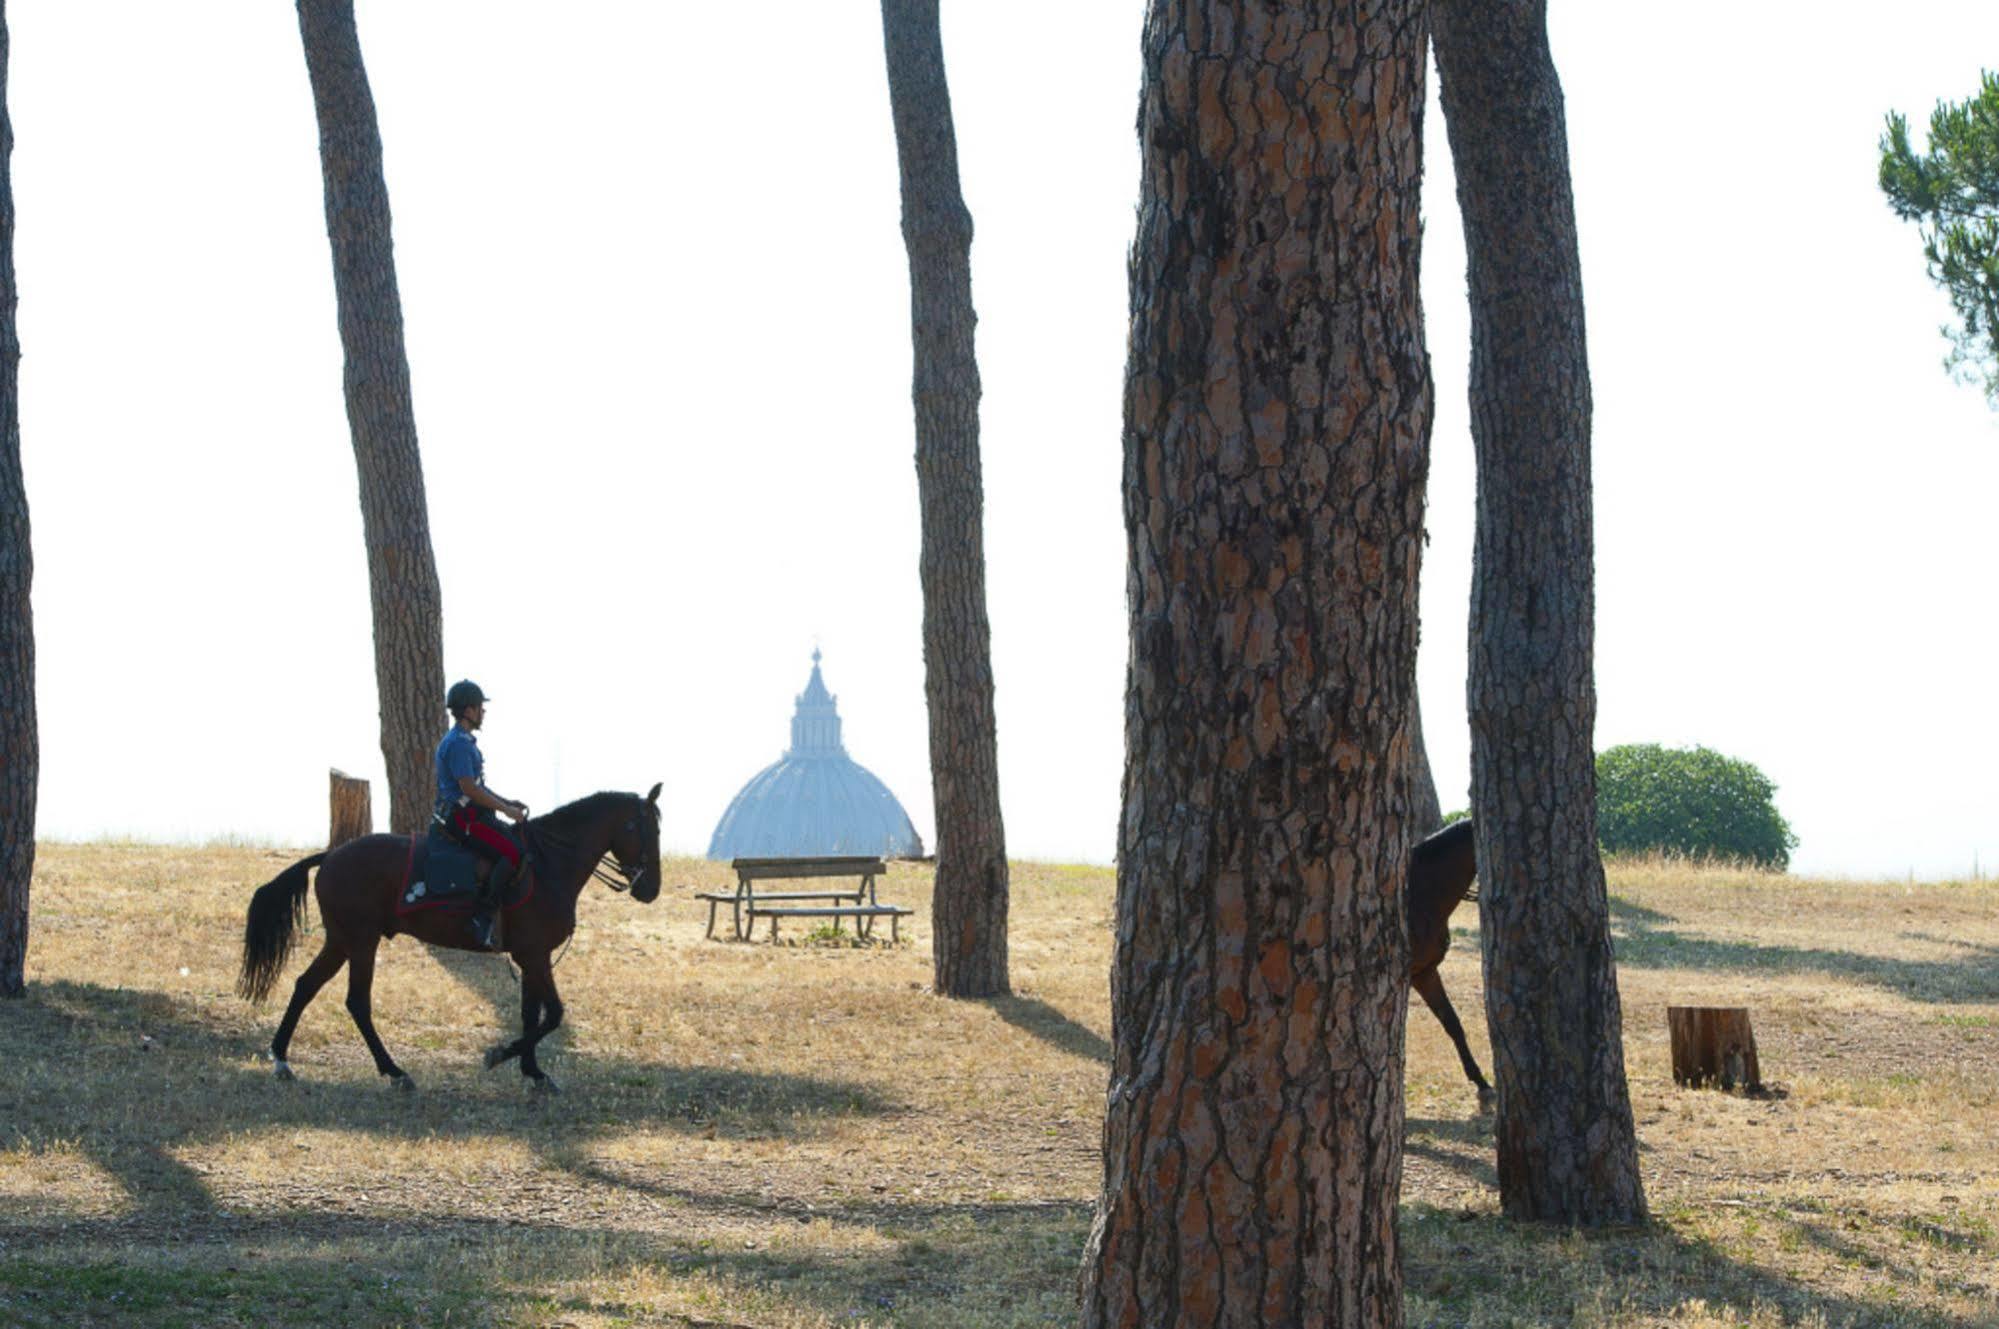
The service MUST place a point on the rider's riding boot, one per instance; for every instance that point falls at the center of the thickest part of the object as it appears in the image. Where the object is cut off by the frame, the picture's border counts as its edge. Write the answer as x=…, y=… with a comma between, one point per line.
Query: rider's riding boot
x=486, y=907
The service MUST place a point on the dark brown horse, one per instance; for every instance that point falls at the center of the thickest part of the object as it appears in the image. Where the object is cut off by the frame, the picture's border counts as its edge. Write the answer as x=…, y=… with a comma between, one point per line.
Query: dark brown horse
x=358, y=886
x=1441, y=869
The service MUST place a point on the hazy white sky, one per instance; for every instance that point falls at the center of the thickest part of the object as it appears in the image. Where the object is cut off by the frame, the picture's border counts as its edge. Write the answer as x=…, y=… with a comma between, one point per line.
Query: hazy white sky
x=657, y=312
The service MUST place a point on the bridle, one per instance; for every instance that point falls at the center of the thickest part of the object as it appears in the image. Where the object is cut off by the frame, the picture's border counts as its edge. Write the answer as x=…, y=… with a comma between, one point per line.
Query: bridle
x=609, y=868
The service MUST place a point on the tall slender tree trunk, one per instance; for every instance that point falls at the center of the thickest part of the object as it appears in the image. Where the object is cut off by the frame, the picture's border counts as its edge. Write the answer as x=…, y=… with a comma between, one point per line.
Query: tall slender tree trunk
x=969, y=902
x=1277, y=400
x=1426, y=814
x=1567, y=1146
x=402, y=573
x=20, y=750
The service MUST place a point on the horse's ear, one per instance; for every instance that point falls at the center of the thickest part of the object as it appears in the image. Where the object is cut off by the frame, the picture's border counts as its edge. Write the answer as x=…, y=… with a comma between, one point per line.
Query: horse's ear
x=653, y=797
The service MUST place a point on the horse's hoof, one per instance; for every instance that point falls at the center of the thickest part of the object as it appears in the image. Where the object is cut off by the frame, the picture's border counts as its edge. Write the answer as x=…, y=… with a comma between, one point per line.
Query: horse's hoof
x=1487, y=1101
x=281, y=1069
x=402, y=1081
x=541, y=1084
x=495, y=1055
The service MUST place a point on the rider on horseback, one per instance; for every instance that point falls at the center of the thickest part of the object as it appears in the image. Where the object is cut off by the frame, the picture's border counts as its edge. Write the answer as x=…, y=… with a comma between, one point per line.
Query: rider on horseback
x=465, y=806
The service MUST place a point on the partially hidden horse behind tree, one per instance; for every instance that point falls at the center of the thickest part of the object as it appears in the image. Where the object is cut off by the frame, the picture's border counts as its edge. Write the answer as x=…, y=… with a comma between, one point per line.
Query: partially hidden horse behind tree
x=361, y=881
x=1441, y=869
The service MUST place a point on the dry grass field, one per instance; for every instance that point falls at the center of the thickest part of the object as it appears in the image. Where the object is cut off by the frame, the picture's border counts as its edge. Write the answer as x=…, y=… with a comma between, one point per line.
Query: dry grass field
x=800, y=1135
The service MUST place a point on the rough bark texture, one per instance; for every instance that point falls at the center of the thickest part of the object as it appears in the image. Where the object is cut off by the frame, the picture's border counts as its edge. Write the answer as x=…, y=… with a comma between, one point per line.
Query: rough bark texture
x=969, y=904
x=1567, y=1149
x=20, y=751
x=1277, y=399
x=402, y=573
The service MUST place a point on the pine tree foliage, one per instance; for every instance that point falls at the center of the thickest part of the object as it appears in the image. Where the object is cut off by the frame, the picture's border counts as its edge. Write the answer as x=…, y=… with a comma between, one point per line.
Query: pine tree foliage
x=1952, y=192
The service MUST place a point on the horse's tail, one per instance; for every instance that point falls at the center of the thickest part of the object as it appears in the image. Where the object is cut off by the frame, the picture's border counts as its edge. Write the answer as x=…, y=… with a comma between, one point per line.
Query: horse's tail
x=276, y=911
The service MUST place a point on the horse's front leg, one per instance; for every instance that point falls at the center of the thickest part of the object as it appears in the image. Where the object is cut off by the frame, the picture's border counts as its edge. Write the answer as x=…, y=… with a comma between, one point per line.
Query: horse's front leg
x=501, y=1053
x=539, y=979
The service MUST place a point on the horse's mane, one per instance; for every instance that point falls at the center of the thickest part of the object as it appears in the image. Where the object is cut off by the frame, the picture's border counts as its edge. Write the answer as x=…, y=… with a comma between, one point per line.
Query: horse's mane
x=581, y=812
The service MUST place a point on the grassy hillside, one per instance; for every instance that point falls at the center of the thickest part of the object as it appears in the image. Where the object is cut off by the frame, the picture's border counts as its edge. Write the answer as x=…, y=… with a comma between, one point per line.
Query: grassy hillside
x=800, y=1135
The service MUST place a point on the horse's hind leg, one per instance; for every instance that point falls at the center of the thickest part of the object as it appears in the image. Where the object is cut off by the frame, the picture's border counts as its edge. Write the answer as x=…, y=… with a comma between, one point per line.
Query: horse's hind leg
x=323, y=967
x=1431, y=987
x=360, y=984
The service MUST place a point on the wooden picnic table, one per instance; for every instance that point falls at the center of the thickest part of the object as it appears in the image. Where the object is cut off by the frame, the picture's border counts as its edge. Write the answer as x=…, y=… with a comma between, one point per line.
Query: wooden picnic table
x=748, y=902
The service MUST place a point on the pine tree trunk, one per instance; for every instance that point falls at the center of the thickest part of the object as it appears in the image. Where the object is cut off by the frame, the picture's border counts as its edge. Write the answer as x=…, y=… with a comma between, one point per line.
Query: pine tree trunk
x=402, y=573
x=20, y=751
x=1426, y=814
x=1277, y=403
x=1566, y=1142
x=969, y=901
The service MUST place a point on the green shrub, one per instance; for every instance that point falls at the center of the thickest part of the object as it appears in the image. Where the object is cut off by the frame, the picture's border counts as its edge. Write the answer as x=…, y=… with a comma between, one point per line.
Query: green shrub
x=1688, y=801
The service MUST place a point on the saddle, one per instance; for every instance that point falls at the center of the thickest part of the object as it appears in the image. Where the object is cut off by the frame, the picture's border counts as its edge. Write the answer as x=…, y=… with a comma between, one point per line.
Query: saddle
x=443, y=874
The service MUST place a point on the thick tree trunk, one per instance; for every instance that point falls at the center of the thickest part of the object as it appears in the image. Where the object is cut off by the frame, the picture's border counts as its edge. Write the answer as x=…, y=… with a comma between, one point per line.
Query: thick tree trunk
x=969, y=902
x=1567, y=1148
x=1277, y=400
x=20, y=751
x=402, y=574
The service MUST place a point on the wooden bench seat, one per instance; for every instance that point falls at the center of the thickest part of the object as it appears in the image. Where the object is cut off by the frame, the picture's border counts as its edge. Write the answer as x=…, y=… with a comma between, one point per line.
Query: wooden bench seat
x=794, y=895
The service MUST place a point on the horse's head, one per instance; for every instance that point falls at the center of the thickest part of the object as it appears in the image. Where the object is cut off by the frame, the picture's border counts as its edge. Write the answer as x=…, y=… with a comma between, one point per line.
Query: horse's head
x=635, y=846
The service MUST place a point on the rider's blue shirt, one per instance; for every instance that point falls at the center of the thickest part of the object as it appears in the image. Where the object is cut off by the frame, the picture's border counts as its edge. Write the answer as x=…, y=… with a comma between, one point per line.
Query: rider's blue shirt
x=457, y=755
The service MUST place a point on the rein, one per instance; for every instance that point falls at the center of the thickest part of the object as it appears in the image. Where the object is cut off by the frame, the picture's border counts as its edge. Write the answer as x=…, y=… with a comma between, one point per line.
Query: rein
x=613, y=873
x=608, y=868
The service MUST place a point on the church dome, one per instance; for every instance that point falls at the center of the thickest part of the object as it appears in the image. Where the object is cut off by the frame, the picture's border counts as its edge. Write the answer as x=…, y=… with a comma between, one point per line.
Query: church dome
x=815, y=800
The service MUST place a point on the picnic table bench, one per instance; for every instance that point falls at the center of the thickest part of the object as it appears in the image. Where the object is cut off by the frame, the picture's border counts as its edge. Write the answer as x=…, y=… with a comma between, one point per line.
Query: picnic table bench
x=748, y=903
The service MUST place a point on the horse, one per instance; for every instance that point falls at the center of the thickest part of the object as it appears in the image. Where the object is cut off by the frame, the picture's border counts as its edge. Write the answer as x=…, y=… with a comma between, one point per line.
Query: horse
x=1441, y=869
x=360, y=881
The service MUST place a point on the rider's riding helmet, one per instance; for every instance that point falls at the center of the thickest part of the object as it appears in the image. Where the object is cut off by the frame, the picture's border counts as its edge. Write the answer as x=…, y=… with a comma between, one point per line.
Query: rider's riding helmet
x=464, y=693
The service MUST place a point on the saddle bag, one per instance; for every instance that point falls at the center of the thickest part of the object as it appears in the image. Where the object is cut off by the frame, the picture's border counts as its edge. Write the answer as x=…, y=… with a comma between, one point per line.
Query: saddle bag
x=441, y=871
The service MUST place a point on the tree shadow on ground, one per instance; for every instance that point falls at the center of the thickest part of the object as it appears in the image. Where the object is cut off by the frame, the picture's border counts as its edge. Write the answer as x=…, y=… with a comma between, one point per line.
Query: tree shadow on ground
x=1448, y=1142
x=1052, y=1027
x=1464, y=1145
x=916, y=1265
x=1463, y=1267
x=1647, y=939
x=493, y=978
x=317, y=1269
x=130, y=1078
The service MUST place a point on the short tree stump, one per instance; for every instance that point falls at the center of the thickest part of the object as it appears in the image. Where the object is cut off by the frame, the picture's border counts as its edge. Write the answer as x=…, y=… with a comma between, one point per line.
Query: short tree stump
x=1714, y=1045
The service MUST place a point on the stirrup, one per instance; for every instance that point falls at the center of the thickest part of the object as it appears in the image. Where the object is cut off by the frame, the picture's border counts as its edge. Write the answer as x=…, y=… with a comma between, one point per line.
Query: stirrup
x=484, y=927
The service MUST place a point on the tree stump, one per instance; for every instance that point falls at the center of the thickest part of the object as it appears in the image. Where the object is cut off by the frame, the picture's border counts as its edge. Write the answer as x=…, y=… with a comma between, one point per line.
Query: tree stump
x=1713, y=1045
x=353, y=815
